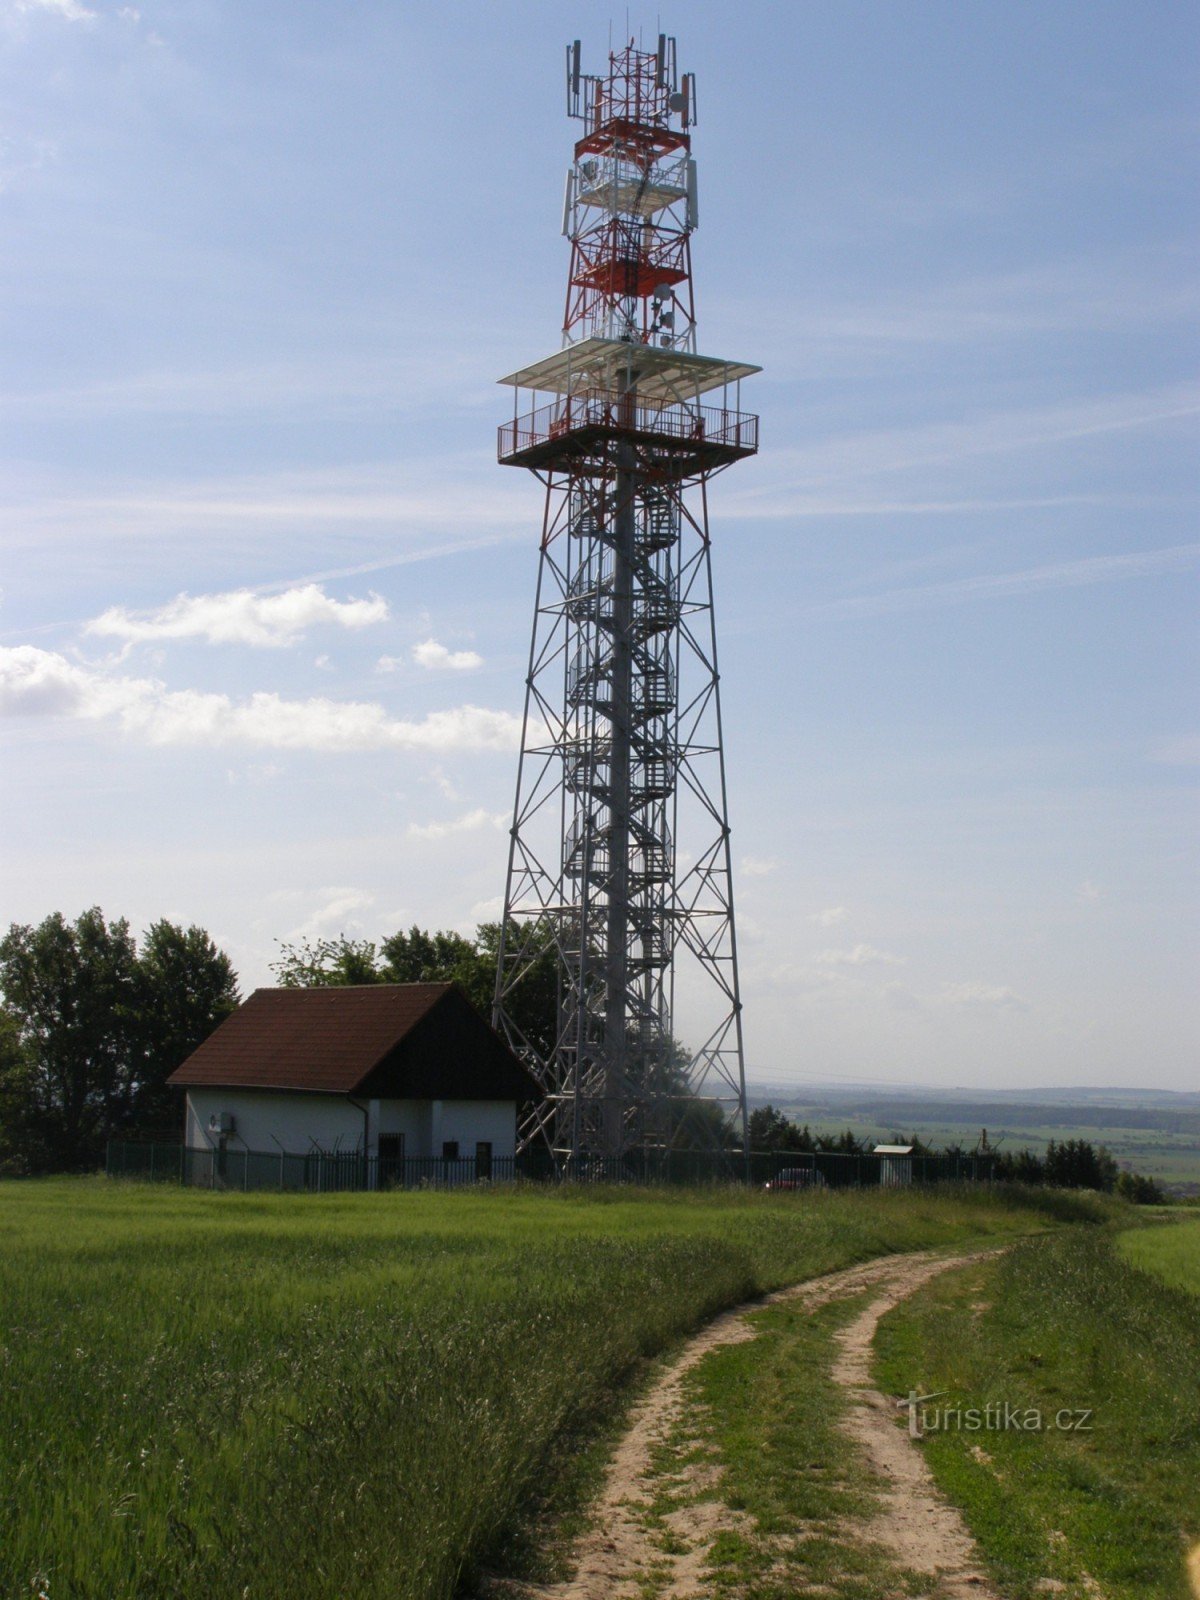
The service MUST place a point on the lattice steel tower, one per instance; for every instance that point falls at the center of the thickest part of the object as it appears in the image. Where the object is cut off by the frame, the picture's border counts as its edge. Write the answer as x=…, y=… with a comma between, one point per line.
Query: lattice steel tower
x=620, y=859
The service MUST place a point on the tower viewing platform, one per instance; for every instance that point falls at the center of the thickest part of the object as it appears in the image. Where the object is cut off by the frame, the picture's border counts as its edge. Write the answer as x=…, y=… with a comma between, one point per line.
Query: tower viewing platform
x=611, y=389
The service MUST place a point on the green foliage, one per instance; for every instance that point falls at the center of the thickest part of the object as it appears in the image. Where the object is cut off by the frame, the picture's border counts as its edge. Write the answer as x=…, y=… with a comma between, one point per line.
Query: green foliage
x=1061, y=1325
x=771, y=1130
x=356, y=1394
x=1142, y=1191
x=94, y=1027
x=1073, y=1164
x=187, y=987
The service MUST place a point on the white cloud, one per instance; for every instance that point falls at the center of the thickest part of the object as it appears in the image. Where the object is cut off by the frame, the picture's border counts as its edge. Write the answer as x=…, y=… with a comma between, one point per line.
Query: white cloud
x=757, y=866
x=472, y=822
x=1089, y=893
x=41, y=683
x=979, y=995
x=900, y=998
x=436, y=658
x=862, y=955
x=488, y=910
x=388, y=663
x=240, y=617
x=830, y=917
x=334, y=915
x=69, y=10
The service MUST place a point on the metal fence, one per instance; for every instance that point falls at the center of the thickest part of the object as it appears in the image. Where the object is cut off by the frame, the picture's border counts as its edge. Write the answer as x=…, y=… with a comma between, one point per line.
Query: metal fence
x=334, y=1171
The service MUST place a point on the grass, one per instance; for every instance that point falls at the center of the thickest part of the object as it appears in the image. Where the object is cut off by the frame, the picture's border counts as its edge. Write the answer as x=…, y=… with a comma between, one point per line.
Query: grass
x=292, y=1396
x=1063, y=1324
x=1171, y=1252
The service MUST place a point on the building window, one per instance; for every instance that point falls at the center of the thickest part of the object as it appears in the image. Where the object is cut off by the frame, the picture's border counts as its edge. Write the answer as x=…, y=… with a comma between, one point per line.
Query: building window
x=483, y=1158
x=449, y=1149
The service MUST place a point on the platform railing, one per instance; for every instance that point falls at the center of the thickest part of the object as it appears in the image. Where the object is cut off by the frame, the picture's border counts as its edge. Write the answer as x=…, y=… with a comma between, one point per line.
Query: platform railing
x=602, y=410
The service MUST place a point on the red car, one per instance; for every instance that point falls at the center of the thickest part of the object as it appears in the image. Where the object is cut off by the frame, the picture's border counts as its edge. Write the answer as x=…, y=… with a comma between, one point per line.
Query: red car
x=797, y=1178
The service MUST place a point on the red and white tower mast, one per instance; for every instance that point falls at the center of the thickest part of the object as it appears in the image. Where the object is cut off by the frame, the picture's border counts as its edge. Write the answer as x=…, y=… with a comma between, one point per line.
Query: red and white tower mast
x=619, y=867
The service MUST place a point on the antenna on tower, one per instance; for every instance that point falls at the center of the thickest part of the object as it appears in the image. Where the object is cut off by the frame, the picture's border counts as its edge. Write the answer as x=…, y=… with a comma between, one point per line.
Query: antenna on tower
x=573, y=50
x=664, y=63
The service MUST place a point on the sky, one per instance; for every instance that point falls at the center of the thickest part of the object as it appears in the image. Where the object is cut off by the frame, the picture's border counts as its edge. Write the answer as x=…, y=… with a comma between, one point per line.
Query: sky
x=267, y=594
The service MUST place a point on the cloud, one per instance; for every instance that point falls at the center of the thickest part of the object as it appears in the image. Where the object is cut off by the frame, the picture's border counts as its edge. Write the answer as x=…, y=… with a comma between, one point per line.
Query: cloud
x=41, y=683
x=472, y=822
x=757, y=866
x=1089, y=893
x=1033, y=580
x=830, y=917
x=240, y=617
x=69, y=10
x=982, y=995
x=900, y=998
x=490, y=910
x=435, y=657
x=862, y=955
x=336, y=914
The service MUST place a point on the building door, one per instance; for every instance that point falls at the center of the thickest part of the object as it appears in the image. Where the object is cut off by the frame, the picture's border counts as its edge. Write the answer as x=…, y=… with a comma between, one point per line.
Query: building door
x=391, y=1160
x=483, y=1159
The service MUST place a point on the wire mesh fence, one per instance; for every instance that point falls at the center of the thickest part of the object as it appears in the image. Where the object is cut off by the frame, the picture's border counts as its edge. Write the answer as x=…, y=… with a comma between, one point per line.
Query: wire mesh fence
x=334, y=1171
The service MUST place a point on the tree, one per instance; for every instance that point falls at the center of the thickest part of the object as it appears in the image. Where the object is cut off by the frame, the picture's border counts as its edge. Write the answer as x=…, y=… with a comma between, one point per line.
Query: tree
x=98, y=1028
x=188, y=987
x=327, y=964
x=771, y=1130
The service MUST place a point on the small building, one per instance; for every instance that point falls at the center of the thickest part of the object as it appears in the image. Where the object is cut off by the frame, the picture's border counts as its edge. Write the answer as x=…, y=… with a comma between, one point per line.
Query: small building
x=895, y=1164
x=397, y=1075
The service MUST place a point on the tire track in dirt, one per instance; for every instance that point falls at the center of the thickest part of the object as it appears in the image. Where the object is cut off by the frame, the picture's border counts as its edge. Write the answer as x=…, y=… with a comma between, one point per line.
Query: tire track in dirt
x=914, y=1521
x=618, y=1551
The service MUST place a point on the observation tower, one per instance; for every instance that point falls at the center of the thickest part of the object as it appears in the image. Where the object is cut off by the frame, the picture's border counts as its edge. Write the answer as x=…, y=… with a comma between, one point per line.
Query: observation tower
x=619, y=873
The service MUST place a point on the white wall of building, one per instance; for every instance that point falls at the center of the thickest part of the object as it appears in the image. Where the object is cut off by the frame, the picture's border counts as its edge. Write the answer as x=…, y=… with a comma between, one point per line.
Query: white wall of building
x=266, y=1121
x=470, y=1121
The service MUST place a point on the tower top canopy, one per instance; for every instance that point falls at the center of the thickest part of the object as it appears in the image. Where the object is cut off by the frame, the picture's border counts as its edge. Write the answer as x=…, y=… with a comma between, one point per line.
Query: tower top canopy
x=660, y=375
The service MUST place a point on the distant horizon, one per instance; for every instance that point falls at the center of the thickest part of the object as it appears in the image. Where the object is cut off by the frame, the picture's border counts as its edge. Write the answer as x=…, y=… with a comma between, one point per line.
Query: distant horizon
x=758, y=1088
x=267, y=601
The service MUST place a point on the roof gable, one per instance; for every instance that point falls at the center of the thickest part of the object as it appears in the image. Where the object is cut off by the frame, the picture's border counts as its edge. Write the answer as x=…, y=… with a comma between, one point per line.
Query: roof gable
x=341, y=1040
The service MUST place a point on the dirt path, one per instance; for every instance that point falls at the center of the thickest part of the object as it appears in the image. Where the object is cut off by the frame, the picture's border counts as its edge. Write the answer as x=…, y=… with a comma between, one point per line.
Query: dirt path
x=914, y=1521
x=930, y=1536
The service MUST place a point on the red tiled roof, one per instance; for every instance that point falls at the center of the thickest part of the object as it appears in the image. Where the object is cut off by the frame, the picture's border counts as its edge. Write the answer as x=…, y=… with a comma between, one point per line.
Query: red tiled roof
x=328, y=1040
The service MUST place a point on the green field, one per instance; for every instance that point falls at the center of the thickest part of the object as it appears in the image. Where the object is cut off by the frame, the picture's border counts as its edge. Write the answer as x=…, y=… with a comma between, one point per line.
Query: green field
x=1062, y=1327
x=367, y=1395
x=1171, y=1253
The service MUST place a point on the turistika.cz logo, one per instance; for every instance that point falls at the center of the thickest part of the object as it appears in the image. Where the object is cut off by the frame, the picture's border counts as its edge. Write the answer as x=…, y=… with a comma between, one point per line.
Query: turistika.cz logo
x=997, y=1416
